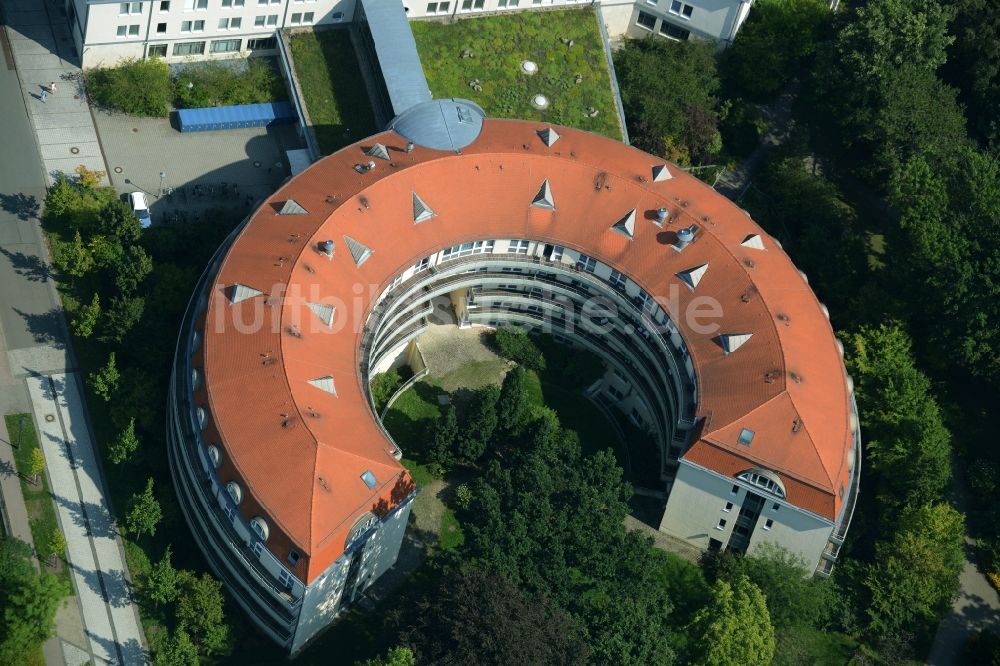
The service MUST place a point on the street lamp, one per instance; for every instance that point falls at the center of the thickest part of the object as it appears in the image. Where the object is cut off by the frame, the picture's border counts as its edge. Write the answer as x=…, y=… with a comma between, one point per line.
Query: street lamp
x=162, y=176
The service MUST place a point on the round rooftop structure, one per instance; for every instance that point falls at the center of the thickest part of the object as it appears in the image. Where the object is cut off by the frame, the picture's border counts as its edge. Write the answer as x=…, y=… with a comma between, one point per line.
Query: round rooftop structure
x=441, y=124
x=720, y=339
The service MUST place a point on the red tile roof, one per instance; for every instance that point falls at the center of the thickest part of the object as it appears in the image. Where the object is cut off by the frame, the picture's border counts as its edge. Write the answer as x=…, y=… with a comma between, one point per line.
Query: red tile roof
x=300, y=451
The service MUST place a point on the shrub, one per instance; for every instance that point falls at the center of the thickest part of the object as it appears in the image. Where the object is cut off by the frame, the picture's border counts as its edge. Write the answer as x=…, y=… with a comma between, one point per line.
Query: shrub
x=137, y=87
x=514, y=344
x=463, y=496
x=383, y=385
x=222, y=84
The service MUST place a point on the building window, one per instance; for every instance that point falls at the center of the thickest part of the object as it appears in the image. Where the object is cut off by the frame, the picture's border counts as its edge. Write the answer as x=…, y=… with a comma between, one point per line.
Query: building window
x=259, y=526
x=421, y=265
x=157, y=51
x=585, y=263
x=369, y=479
x=775, y=506
x=518, y=247
x=195, y=4
x=721, y=525
x=645, y=20
x=615, y=393
x=761, y=481
x=230, y=23
x=465, y=249
x=746, y=436
x=226, y=45
x=161, y=28
x=507, y=3
x=164, y=5
x=127, y=8
x=227, y=4
x=557, y=253
x=127, y=31
x=729, y=507
x=272, y=20
x=735, y=489
x=395, y=282
x=262, y=44
x=189, y=48
x=469, y=5
x=768, y=523
x=671, y=31
x=268, y=2
x=681, y=9
x=235, y=492
x=192, y=26
x=617, y=280
x=293, y=556
x=308, y=18
x=298, y=18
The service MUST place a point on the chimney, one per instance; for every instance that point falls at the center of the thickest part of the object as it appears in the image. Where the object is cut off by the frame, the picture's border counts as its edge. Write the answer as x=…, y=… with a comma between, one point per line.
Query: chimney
x=327, y=247
x=661, y=216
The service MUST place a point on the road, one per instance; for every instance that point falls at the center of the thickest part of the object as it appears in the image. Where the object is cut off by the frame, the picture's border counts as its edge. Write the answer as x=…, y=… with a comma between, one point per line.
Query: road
x=101, y=624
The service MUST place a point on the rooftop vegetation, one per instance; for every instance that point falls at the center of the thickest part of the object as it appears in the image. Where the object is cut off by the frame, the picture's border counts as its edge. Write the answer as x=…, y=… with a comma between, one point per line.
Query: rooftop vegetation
x=480, y=59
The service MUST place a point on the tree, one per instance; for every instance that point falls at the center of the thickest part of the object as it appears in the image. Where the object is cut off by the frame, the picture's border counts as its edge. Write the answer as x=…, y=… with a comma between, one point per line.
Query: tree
x=907, y=443
x=29, y=608
x=124, y=445
x=916, y=574
x=480, y=424
x=132, y=401
x=383, y=385
x=473, y=618
x=446, y=434
x=668, y=90
x=199, y=608
x=793, y=596
x=132, y=269
x=513, y=408
x=734, y=628
x=974, y=65
x=124, y=314
x=161, y=581
x=56, y=542
x=87, y=317
x=515, y=344
x=104, y=381
x=117, y=220
x=74, y=258
x=144, y=512
x=177, y=650
x=773, y=43
x=36, y=464
x=397, y=656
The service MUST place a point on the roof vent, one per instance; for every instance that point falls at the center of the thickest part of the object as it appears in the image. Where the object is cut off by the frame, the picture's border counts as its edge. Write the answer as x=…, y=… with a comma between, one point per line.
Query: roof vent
x=661, y=173
x=364, y=168
x=378, y=150
x=661, y=216
x=796, y=424
x=684, y=237
x=825, y=310
x=290, y=207
x=359, y=251
x=324, y=312
x=548, y=136
x=692, y=276
x=626, y=225
x=325, y=384
x=544, y=197
x=732, y=341
x=238, y=293
x=409, y=146
x=327, y=248
x=753, y=241
x=421, y=211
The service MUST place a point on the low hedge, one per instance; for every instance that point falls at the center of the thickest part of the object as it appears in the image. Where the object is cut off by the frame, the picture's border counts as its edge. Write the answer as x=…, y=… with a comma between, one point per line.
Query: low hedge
x=136, y=87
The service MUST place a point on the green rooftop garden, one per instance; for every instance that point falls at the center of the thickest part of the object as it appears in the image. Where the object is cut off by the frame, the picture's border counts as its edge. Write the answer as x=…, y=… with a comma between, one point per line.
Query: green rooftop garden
x=480, y=59
x=332, y=87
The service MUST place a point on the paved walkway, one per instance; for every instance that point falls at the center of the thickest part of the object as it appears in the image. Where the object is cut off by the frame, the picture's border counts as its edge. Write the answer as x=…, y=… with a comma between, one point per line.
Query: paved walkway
x=94, y=550
x=43, y=52
x=15, y=512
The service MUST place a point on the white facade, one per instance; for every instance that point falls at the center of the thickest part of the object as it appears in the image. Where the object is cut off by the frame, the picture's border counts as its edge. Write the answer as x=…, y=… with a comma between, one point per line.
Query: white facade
x=106, y=31
x=179, y=30
x=703, y=509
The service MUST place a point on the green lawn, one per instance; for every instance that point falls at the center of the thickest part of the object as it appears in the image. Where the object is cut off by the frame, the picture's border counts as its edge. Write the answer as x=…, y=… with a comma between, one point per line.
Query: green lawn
x=500, y=43
x=473, y=375
x=451, y=531
x=334, y=91
x=411, y=419
x=420, y=473
x=37, y=498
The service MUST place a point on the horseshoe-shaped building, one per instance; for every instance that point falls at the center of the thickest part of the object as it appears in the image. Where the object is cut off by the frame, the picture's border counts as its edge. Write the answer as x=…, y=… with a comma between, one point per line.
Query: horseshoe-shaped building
x=713, y=342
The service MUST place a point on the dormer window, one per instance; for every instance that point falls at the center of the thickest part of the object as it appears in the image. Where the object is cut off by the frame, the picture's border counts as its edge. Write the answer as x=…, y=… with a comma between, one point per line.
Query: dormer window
x=764, y=480
x=259, y=527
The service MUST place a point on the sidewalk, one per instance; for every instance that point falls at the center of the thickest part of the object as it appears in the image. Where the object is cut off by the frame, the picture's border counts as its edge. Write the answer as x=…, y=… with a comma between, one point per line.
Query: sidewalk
x=43, y=52
x=94, y=551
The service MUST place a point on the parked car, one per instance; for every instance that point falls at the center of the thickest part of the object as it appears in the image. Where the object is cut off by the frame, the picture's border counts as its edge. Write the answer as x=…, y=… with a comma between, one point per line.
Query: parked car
x=138, y=202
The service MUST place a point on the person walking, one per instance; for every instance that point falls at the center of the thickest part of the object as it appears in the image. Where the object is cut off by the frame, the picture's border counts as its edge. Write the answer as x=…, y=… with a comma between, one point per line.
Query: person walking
x=45, y=93
x=52, y=88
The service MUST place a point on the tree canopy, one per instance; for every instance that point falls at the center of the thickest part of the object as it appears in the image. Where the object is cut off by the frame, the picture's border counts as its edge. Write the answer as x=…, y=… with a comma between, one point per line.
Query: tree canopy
x=733, y=629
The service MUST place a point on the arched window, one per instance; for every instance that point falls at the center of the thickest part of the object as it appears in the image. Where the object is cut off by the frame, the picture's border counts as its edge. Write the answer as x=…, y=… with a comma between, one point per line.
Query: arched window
x=259, y=527
x=234, y=491
x=214, y=455
x=202, y=417
x=195, y=379
x=361, y=525
x=765, y=480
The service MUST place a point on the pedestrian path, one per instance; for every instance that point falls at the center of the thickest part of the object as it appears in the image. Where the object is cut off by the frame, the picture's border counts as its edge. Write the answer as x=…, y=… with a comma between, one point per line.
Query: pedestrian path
x=94, y=551
x=43, y=51
x=15, y=512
